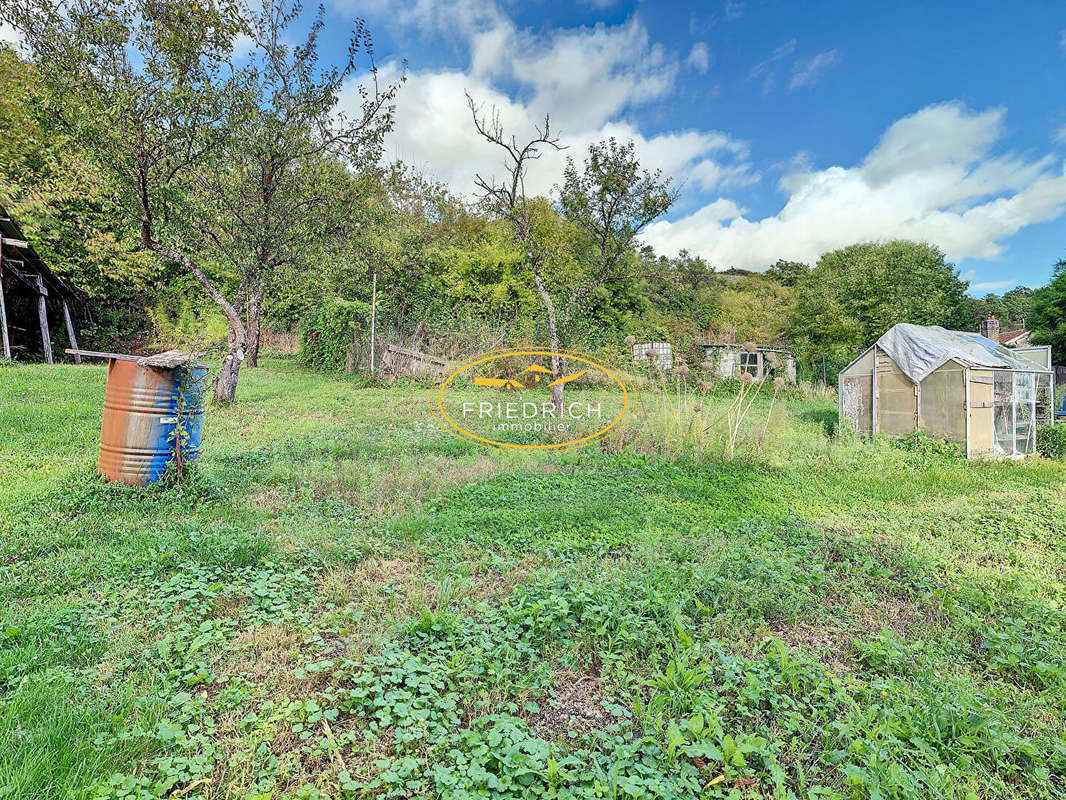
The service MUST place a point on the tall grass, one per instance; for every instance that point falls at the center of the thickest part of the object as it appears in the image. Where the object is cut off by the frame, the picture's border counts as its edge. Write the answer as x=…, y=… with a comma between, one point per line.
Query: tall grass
x=727, y=421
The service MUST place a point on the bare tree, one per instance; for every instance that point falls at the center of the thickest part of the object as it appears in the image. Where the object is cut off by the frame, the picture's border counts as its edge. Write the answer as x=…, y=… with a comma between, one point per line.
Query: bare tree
x=507, y=199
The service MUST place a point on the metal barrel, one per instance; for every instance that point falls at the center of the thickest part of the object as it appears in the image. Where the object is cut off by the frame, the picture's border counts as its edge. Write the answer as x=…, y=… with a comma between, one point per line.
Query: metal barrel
x=138, y=438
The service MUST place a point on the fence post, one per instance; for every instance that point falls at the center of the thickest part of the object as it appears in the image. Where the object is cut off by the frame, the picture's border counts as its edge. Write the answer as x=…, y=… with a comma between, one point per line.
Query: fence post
x=373, y=317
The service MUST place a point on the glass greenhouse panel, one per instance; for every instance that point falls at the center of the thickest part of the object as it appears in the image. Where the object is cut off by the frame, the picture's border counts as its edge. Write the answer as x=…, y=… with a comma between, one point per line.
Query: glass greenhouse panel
x=1045, y=400
x=1003, y=407
x=1024, y=412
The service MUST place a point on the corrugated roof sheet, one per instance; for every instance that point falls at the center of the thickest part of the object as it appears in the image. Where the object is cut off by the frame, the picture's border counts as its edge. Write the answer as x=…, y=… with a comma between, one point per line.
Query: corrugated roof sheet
x=920, y=349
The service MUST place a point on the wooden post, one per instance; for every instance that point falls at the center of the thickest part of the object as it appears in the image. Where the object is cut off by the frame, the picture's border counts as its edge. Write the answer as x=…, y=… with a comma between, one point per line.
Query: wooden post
x=3, y=310
x=42, y=314
x=70, y=332
x=373, y=317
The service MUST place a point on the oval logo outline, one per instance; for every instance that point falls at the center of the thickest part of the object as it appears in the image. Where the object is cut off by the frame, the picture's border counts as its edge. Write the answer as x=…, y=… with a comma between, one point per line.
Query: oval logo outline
x=437, y=400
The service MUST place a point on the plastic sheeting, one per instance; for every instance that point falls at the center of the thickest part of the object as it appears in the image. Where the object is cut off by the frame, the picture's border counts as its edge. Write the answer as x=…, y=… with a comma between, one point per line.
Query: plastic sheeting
x=920, y=349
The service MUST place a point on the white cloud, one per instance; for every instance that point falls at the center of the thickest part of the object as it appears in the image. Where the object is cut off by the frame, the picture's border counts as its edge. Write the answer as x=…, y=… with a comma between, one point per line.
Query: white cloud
x=767, y=70
x=699, y=58
x=1060, y=135
x=1062, y=40
x=588, y=75
x=934, y=175
x=434, y=132
x=587, y=79
x=807, y=72
x=734, y=9
x=991, y=286
x=783, y=51
x=931, y=177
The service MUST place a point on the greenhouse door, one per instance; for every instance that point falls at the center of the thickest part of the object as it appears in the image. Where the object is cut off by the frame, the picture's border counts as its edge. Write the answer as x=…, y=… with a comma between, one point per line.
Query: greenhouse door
x=1014, y=401
x=1024, y=413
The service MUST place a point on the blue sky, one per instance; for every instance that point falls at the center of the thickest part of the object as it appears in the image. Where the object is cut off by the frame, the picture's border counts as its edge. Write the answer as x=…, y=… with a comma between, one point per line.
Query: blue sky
x=793, y=128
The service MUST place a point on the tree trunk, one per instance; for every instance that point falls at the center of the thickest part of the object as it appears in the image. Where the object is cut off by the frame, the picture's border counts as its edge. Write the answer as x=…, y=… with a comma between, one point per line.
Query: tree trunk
x=225, y=385
x=255, y=314
x=238, y=306
x=553, y=338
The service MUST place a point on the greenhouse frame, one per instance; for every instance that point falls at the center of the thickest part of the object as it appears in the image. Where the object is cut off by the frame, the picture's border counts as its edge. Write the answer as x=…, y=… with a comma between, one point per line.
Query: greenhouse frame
x=954, y=384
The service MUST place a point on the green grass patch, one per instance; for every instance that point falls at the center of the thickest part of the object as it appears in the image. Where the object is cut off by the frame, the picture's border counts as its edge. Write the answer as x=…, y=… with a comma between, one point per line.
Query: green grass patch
x=343, y=600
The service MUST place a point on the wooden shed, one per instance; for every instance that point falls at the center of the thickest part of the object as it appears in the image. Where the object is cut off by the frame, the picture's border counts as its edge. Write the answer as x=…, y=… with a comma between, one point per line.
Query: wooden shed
x=29, y=291
x=955, y=384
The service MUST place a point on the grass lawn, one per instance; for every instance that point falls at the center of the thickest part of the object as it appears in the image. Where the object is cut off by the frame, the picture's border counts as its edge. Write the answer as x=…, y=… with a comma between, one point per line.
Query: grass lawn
x=344, y=600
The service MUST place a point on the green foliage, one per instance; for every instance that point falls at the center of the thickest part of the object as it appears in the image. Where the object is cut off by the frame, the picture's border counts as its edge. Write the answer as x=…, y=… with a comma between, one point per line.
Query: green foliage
x=1051, y=441
x=921, y=443
x=787, y=273
x=611, y=199
x=855, y=294
x=327, y=335
x=1013, y=309
x=754, y=308
x=193, y=326
x=1047, y=319
x=68, y=208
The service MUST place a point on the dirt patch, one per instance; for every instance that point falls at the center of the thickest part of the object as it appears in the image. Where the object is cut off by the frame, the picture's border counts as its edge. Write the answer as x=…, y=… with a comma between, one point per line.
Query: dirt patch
x=269, y=655
x=385, y=589
x=399, y=490
x=894, y=613
x=399, y=487
x=496, y=584
x=270, y=499
x=832, y=645
x=830, y=639
x=575, y=706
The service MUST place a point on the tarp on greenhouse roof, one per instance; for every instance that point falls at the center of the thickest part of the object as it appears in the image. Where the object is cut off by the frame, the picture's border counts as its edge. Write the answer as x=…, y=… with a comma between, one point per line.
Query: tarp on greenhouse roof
x=920, y=349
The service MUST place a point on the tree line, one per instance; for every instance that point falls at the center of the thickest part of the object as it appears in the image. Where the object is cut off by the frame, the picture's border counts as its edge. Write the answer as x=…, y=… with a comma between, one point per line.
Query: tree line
x=192, y=167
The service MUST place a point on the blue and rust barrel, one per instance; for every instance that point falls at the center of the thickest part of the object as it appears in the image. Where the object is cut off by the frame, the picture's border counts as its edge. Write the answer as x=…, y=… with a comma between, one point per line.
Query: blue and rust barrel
x=143, y=407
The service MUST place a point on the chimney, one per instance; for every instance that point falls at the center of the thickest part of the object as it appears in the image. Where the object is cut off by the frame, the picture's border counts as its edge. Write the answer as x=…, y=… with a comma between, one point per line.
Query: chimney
x=990, y=328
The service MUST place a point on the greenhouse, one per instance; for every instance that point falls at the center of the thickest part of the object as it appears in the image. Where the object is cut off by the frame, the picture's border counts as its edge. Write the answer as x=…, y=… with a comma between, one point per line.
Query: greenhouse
x=954, y=384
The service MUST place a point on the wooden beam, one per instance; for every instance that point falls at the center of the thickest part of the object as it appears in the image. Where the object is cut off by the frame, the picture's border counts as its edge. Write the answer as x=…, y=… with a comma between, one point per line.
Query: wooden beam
x=21, y=276
x=3, y=310
x=70, y=332
x=42, y=315
x=98, y=354
x=20, y=243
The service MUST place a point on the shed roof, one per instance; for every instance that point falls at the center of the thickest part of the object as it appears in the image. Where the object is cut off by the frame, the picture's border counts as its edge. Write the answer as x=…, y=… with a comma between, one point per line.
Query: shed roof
x=920, y=349
x=17, y=248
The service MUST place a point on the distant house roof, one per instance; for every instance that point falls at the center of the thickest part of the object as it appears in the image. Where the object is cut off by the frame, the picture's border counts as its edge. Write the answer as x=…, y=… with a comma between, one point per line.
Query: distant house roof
x=1010, y=337
x=920, y=349
x=22, y=261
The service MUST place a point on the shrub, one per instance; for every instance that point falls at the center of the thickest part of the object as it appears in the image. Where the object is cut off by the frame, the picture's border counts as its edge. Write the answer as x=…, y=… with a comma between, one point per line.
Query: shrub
x=328, y=334
x=932, y=446
x=1051, y=441
x=188, y=327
